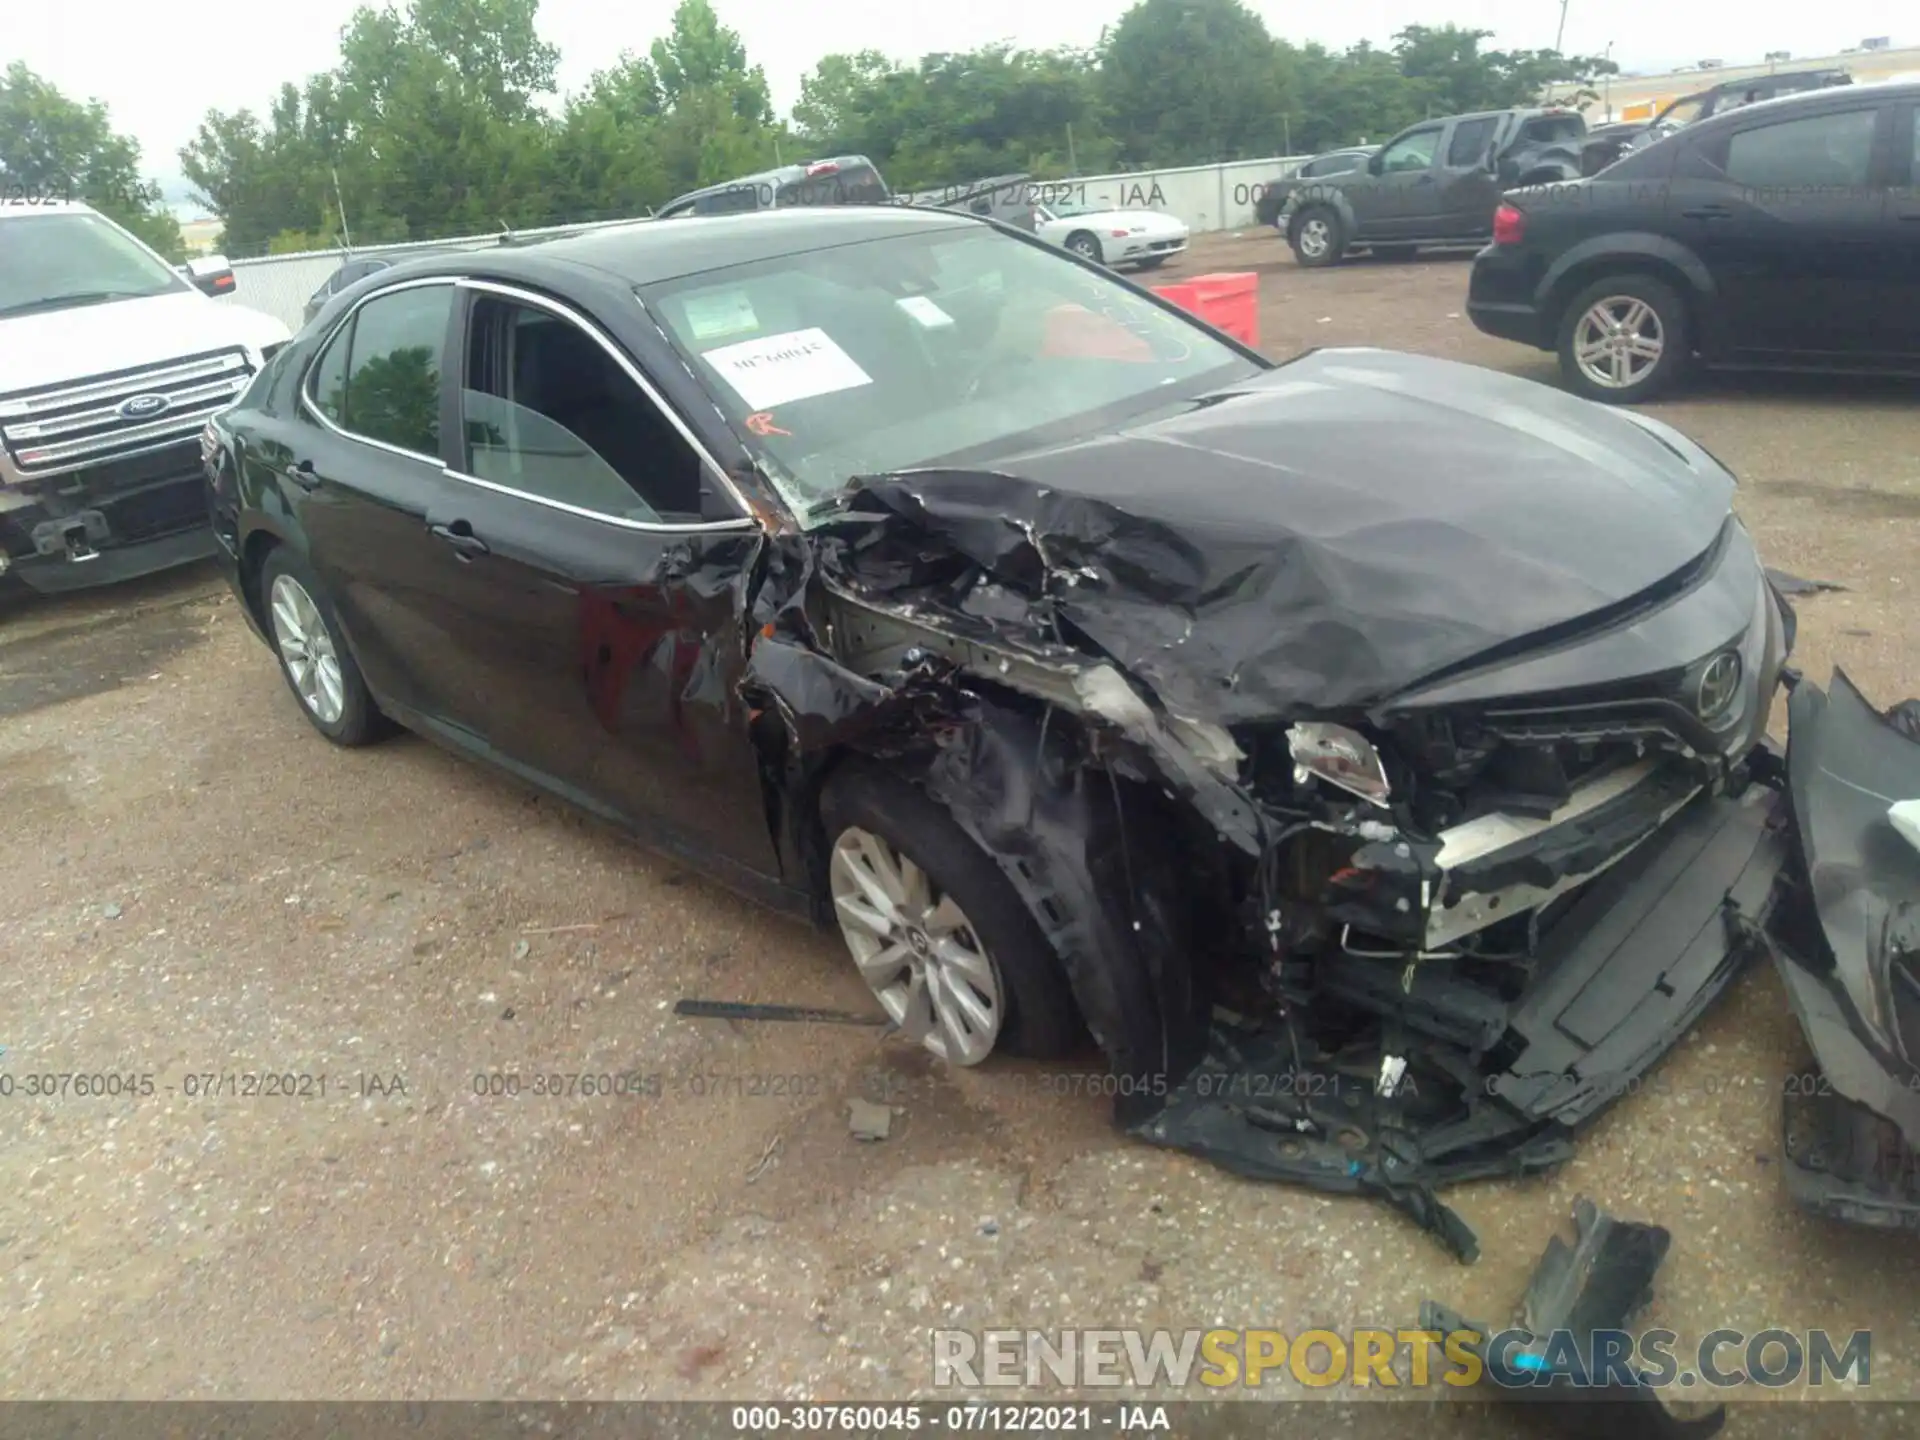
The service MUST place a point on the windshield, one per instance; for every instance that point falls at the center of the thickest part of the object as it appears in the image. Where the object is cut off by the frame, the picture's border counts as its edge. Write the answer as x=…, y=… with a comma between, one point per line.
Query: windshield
x=52, y=262
x=954, y=346
x=1067, y=209
x=1683, y=112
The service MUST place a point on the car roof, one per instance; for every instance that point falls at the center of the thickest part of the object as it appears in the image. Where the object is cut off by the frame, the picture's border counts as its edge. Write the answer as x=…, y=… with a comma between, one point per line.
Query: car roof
x=645, y=253
x=779, y=174
x=1832, y=97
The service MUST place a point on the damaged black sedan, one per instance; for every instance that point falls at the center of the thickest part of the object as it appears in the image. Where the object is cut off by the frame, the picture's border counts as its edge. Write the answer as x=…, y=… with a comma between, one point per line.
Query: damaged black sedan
x=1367, y=751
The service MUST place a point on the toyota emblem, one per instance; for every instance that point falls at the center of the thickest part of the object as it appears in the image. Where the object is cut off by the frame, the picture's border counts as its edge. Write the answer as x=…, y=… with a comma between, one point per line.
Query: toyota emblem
x=1719, y=683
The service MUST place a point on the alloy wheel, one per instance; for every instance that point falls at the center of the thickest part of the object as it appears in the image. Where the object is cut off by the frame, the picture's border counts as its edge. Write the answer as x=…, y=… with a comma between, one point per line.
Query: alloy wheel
x=1085, y=248
x=1315, y=238
x=1618, y=342
x=916, y=949
x=306, y=649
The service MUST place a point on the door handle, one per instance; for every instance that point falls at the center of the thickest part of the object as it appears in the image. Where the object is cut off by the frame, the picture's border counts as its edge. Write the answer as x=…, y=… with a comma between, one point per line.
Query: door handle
x=459, y=534
x=301, y=473
x=1707, y=212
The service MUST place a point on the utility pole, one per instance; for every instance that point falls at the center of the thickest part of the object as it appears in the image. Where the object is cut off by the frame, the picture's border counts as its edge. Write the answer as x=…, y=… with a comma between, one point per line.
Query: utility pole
x=1073, y=163
x=345, y=234
x=1560, y=34
x=1606, y=82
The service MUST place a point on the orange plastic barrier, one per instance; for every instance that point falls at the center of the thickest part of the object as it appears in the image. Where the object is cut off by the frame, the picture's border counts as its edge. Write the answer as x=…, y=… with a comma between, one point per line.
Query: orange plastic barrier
x=1228, y=301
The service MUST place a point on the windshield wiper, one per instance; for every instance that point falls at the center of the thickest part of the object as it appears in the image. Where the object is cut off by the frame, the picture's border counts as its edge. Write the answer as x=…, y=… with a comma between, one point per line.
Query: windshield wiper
x=78, y=297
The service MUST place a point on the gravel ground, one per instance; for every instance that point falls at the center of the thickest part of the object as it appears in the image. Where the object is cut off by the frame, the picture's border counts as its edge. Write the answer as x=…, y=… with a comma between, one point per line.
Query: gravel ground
x=196, y=885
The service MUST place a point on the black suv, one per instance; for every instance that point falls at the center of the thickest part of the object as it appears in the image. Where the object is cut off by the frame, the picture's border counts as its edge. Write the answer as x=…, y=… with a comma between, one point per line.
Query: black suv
x=842, y=180
x=1607, y=143
x=1435, y=183
x=1784, y=234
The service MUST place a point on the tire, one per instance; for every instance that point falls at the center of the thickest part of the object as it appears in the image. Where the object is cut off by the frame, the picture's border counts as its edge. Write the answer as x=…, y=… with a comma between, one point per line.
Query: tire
x=298, y=615
x=1086, y=245
x=1318, y=237
x=1653, y=310
x=1036, y=1014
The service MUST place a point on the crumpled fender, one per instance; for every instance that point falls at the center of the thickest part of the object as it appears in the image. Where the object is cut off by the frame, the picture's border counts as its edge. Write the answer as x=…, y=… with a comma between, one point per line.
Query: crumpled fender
x=1853, y=975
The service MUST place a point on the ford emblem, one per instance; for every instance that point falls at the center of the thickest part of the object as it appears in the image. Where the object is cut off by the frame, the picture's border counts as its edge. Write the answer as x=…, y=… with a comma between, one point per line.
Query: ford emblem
x=143, y=407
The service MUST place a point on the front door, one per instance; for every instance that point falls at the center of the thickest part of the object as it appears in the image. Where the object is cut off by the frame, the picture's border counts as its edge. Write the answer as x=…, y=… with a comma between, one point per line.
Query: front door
x=1402, y=198
x=593, y=574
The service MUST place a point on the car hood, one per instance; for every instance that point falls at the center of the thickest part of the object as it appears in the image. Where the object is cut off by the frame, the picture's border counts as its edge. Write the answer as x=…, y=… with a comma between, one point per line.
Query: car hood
x=1315, y=539
x=1135, y=222
x=61, y=345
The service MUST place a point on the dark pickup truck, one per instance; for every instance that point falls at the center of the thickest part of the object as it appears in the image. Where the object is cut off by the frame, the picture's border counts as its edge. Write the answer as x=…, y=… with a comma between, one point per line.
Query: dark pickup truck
x=1435, y=183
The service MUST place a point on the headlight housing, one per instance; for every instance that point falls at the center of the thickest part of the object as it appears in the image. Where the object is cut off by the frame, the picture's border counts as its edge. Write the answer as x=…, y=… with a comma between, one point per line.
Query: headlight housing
x=1341, y=756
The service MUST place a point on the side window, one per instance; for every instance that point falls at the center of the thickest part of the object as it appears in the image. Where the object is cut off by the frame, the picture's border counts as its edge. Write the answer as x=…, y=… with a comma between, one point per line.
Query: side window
x=393, y=369
x=1470, y=141
x=550, y=413
x=327, y=385
x=1411, y=152
x=1819, y=150
x=735, y=199
x=1333, y=165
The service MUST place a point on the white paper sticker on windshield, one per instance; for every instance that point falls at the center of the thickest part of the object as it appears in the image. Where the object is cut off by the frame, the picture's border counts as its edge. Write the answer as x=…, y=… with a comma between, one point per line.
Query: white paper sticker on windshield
x=924, y=310
x=778, y=368
x=720, y=312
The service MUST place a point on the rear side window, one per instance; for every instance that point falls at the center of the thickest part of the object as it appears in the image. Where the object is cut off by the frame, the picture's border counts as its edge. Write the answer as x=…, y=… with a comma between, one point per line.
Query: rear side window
x=1470, y=141
x=1332, y=165
x=327, y=386
x=1820, y=150
x=380, y=377
x=733, y=200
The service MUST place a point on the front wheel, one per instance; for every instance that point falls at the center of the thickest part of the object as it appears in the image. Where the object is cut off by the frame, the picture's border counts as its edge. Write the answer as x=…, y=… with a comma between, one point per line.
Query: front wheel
x=1624, y=339
x=936, y=929
x=1318, y=237
x=1086, y=245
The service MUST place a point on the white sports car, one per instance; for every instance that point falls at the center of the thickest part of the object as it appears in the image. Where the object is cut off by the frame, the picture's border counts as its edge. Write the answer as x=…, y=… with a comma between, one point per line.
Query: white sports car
x=1142, y=238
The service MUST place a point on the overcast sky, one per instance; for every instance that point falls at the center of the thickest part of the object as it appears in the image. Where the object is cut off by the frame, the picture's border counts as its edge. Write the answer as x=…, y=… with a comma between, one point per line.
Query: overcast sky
x=159, y=68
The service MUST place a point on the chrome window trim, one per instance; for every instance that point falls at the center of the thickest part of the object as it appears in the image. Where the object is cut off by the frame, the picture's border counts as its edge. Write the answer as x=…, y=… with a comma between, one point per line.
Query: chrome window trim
x=333, y=335
x=745, y=521
x=633, y=372
x=742, y=523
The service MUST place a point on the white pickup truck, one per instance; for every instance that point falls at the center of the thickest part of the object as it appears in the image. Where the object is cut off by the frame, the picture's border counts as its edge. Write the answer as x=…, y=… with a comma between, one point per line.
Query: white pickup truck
x=111, y=361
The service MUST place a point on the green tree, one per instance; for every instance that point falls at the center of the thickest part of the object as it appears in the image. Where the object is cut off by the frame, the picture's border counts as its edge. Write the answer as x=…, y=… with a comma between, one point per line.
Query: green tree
x=699, y=56
x=1193, y=80
x=52, y=144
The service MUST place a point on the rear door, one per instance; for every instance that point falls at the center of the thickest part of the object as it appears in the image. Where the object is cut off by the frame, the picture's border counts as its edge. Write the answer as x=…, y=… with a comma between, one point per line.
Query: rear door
x=1789, y=216
x=365, y=471
x=1403, y=200
x=1469, y=186
x=591, y=563
x=1899, y=315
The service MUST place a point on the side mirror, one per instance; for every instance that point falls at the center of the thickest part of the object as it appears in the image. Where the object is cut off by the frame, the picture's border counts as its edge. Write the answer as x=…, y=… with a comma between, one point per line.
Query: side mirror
x=211, y=275
x=1376, y=164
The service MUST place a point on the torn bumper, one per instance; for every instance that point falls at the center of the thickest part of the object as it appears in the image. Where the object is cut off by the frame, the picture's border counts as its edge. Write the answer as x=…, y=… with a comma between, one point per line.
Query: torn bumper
x=1569, y=1346
x=1492, y=1085
x=1848, y=952
x=114, y=521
